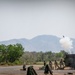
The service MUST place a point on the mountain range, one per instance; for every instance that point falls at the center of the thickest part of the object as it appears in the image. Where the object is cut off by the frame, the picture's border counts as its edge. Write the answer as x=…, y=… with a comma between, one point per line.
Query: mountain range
x=39, y=43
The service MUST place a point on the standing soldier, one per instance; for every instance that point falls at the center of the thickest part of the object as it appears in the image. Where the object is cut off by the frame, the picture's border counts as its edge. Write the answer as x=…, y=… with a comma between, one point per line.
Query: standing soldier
x=56, y=64
x=50, y=64
x=44, y=63
x=61, y=64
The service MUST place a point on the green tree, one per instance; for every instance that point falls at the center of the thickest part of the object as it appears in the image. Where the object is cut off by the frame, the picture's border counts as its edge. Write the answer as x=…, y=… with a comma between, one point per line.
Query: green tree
x=15, y=52
x=10, y=53
x=3, y=53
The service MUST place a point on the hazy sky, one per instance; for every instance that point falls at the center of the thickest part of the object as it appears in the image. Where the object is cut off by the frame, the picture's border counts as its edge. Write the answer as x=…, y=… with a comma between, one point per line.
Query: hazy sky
x=27, y=19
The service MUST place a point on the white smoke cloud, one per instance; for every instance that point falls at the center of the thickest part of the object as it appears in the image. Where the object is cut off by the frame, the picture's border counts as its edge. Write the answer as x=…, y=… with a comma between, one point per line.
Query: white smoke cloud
x=66, y=43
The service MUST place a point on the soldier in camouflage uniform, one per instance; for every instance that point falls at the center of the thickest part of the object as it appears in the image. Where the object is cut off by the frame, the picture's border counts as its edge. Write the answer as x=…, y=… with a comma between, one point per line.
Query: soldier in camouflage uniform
x=56, y=64
x=61, y=64
x=48, y=70
x=50, y=64
x=31, y=71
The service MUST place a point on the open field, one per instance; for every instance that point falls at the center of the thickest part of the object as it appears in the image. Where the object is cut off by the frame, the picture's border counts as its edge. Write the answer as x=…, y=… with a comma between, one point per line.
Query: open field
x=16, y=70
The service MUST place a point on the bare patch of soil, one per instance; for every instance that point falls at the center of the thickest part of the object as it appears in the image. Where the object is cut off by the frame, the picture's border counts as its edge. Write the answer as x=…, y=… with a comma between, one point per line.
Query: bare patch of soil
x=17, y=70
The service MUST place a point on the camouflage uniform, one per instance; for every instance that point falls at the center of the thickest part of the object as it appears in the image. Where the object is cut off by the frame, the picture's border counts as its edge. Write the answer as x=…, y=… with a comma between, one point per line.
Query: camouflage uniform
x=61, y=63
x=50, y=64
x=56, y=65
x=47, y=70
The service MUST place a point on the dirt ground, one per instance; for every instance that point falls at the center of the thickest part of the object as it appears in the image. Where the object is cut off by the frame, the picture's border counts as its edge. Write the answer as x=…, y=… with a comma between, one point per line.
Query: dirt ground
x=17, y=70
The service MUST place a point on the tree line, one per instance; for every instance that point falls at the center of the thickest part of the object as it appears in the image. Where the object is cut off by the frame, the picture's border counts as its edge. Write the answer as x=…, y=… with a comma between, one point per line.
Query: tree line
x=34, y=57
x=15, y=54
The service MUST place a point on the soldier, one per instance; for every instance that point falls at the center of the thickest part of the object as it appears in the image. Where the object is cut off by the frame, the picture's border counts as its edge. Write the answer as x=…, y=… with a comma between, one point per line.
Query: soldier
x=56, y=64
x=24, y=67
x=50, y=64
x=61, y=64
x=47, y=70
x=44, y=63
x=31, y=71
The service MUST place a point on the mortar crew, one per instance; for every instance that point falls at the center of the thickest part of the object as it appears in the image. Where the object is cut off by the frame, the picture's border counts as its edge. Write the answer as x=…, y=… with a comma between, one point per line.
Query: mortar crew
x=50, y=64
x=61, y=63
x=56, y=64
x=47, y=70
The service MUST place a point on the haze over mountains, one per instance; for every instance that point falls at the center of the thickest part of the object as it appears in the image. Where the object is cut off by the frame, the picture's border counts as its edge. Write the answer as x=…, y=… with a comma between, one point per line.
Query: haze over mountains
x=39, y=43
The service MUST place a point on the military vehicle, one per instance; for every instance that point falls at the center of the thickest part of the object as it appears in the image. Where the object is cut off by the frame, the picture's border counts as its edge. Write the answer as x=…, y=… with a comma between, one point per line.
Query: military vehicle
x=69, y=60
